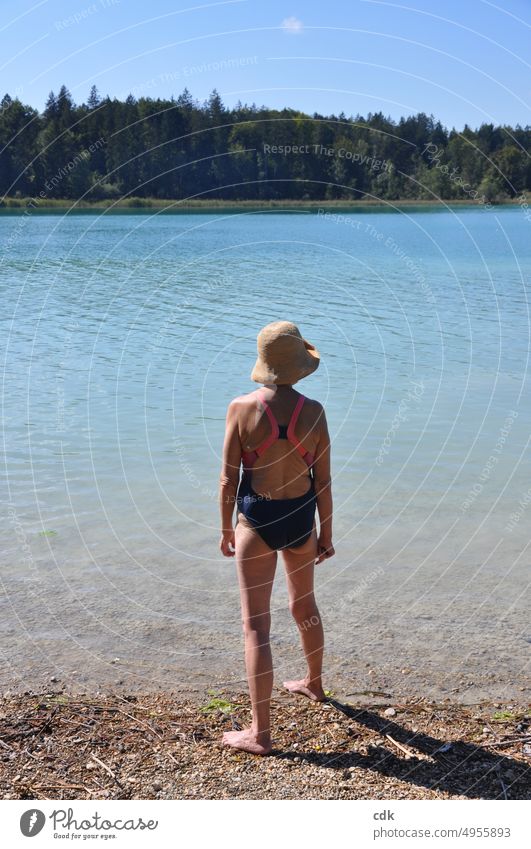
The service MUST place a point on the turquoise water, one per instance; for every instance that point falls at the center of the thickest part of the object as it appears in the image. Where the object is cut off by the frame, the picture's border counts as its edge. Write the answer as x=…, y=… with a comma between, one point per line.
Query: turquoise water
x=125, y=336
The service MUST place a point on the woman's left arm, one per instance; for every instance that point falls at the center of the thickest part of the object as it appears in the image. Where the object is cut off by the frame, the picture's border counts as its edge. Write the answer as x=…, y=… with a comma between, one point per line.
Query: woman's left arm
x=229, y=479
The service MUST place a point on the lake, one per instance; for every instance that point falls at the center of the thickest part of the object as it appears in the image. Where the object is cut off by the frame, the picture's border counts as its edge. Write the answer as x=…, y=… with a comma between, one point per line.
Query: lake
x=124, y=338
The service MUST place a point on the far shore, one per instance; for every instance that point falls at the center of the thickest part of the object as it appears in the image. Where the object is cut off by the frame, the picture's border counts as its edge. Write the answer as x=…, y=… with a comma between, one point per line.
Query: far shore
x=38, y=204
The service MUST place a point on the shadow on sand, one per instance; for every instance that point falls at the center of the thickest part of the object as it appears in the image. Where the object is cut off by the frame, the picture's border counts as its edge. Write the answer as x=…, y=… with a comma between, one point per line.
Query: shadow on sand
x=463, y=769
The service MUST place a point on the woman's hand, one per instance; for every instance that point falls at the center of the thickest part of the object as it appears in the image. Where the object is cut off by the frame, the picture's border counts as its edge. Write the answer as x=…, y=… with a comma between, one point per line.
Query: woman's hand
x=325, y=549
x=227, y=543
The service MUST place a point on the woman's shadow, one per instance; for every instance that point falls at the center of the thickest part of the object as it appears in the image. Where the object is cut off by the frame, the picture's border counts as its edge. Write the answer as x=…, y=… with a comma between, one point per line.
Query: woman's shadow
x=460, y=769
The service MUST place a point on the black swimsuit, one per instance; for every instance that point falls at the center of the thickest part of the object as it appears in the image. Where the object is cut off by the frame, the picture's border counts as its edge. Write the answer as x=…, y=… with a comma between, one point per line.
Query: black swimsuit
x=281, y=522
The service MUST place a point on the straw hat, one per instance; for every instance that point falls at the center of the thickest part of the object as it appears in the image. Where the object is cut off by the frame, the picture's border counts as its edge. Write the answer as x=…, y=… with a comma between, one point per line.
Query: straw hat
x=283, y=355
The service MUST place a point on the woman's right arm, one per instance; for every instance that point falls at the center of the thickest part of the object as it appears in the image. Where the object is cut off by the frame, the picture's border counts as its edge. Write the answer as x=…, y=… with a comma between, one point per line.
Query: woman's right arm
x=323, y=489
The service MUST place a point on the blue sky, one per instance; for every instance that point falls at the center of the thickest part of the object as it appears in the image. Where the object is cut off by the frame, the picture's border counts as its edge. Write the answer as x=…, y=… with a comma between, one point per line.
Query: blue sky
x=464, y=62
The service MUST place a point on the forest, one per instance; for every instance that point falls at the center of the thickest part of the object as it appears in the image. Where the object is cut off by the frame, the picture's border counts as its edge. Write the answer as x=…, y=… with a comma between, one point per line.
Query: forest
x=179, y=148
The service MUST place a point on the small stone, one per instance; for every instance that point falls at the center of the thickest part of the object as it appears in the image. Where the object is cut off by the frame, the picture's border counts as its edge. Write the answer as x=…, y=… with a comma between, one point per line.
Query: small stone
x=390, y=712
x=157, y=786
x=53, y=679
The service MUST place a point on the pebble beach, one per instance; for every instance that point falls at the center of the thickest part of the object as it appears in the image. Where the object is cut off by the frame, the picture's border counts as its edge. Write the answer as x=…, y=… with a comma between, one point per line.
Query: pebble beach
x=56, y=745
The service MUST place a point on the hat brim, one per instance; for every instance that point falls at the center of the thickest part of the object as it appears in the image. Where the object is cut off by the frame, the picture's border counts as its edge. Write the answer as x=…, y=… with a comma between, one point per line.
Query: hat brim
x=292, y=373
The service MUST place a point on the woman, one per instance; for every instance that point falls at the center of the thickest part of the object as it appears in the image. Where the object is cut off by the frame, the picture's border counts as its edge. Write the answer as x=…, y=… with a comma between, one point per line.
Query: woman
x=281, y=439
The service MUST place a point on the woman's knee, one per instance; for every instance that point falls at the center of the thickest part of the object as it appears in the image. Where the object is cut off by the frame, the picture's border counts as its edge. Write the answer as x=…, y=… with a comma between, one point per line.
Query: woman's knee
x=304, y=610
x=257, y=627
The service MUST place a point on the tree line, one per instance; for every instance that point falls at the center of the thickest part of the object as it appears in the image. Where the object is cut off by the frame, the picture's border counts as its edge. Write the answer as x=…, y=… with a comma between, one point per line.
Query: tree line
x=180, y=148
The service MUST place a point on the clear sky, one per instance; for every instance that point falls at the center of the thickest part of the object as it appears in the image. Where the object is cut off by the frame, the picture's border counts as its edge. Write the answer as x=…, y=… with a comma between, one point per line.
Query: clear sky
x=464, y=61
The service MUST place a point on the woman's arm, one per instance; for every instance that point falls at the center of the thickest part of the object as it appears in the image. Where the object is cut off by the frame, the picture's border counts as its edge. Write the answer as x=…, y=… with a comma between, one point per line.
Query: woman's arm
x=229, y=478
x=323, y=489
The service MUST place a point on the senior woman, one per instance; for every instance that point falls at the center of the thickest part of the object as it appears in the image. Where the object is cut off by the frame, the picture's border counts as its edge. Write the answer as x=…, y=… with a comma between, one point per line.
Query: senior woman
x=281, y=440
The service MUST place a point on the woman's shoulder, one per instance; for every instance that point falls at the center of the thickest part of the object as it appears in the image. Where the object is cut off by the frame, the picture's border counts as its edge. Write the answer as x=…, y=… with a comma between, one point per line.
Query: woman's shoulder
x=313, y=404
x=314, y=415
x=244, y=397
x=243, y=401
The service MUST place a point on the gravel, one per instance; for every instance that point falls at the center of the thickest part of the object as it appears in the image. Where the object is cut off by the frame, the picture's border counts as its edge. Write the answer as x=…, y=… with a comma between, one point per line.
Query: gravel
x=162, y=746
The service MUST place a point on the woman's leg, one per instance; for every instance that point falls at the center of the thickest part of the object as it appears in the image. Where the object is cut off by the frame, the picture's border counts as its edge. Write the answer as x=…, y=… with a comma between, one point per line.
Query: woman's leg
x=299, y=563
x=256, y=564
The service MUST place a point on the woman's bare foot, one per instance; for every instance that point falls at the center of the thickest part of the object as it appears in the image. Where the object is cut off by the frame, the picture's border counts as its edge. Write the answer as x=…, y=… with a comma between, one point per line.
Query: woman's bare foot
x=248, y=741
x=306, y=688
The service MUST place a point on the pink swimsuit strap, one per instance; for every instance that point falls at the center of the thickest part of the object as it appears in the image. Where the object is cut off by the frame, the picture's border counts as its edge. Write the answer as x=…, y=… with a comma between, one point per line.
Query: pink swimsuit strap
x=249, y=457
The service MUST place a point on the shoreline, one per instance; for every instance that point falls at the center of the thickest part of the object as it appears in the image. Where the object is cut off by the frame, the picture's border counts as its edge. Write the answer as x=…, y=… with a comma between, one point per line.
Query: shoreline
x=168, y=746
x=194, y=668
x=175, y=206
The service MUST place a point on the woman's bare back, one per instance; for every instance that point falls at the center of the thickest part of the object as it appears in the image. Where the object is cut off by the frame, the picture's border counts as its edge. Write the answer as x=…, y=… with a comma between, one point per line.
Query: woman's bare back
x=281, y=472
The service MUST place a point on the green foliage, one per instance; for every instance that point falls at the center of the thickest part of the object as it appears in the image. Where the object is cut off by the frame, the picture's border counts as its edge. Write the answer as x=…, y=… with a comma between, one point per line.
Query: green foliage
x=138, y=149
x=504, y=716
x=100, y=191
x=216, y=703
x=491, y=187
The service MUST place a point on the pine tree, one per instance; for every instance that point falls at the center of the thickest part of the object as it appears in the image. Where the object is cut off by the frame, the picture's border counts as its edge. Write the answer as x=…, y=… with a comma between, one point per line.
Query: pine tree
x=94, y=98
